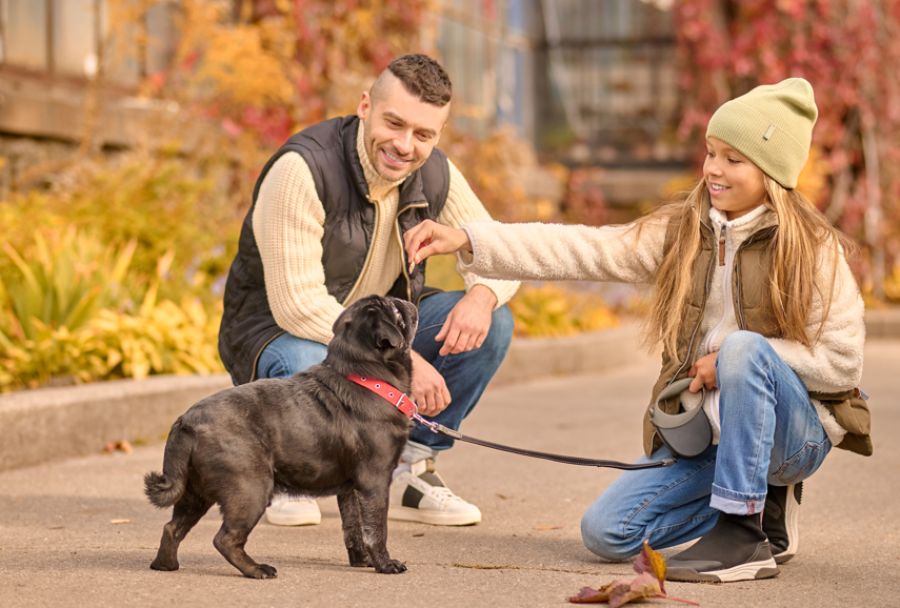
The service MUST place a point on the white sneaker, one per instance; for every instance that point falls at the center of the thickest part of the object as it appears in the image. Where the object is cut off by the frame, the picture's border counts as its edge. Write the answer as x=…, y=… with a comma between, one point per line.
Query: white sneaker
x=293, y=511
x=420, y=495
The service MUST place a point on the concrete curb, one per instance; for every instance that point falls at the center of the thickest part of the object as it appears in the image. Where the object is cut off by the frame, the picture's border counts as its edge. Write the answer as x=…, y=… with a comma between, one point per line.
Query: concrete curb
x=50, y=424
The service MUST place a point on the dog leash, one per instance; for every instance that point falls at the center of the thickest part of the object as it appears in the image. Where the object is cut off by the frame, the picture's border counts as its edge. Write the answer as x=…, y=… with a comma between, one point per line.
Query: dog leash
x=408, y=408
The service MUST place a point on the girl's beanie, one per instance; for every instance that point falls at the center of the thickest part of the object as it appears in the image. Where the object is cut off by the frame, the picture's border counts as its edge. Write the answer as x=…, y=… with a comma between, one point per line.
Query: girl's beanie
x=771, y=125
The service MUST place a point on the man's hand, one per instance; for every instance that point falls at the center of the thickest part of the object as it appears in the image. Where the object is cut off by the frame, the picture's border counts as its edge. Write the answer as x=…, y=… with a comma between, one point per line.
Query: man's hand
x=703, y=373
x=430, y=238
x=429, y=390
x=468, y=323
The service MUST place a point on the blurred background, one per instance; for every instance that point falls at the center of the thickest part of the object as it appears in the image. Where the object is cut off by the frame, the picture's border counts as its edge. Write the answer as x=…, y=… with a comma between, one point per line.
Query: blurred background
x=132, y=132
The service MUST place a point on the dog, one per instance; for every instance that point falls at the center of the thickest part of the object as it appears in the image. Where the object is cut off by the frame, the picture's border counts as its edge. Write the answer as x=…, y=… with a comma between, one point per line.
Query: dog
x=314, y=433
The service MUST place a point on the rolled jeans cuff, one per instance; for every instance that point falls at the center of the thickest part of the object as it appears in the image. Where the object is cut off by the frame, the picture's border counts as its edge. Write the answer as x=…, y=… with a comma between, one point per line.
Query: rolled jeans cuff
x=734, y=503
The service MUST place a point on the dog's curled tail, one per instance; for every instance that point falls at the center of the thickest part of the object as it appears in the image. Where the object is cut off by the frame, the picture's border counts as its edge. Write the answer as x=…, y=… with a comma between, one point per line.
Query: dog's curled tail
x=164, y=489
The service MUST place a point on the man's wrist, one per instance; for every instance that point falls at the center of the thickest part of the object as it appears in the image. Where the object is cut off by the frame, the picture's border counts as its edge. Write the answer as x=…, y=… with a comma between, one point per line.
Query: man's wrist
x=483, y=294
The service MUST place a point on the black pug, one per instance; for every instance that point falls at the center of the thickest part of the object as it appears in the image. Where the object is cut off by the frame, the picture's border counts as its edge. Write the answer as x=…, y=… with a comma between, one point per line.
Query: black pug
x=315, y=433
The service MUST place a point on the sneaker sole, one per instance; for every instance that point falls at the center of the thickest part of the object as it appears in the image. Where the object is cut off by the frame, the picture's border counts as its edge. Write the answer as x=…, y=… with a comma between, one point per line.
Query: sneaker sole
x=433, y=518
x=744, y=572
x=286, y=520
x=792, y=526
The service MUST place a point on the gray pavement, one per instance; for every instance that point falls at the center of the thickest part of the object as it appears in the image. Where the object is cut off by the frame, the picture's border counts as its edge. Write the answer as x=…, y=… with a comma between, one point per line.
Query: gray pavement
x=80, y=533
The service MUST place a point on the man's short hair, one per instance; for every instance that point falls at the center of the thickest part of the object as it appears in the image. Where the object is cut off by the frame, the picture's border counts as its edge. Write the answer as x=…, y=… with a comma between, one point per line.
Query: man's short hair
x=421, y=76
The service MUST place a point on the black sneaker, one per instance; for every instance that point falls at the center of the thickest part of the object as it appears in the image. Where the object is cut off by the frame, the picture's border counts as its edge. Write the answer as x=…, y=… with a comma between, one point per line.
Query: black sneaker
x=735, y=549
x=780, y=520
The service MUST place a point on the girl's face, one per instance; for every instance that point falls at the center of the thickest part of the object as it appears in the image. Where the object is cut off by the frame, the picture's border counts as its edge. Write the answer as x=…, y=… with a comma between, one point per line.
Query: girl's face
x=736, y=186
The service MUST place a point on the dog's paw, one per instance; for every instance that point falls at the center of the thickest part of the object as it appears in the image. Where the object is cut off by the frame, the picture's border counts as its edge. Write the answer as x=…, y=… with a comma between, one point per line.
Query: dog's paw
x=392, y=566
x=262, y=571
x=164, y=566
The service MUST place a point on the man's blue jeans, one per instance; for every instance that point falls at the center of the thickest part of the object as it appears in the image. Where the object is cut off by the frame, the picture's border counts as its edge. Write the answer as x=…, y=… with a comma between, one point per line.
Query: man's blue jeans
x=466, y=374
x=771, y=434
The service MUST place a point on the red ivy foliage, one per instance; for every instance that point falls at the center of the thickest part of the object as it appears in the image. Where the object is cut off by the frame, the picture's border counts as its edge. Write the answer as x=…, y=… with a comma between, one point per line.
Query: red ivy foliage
x=849, y=51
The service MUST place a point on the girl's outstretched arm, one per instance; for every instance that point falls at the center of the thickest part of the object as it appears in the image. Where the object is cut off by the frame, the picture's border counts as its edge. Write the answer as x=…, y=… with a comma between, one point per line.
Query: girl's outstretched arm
x=536, y=251
x=430, y=238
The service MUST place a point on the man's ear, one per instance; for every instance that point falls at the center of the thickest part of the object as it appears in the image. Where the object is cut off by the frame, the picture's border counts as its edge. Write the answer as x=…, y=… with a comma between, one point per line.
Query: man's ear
x=365, y=106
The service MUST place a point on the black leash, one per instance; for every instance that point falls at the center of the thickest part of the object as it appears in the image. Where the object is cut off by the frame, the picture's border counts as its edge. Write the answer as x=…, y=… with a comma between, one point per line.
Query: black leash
x=407, y=406
x=577, y=460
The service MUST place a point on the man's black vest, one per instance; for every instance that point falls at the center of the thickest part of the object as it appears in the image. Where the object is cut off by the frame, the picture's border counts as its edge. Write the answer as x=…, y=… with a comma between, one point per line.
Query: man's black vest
x=329, y=148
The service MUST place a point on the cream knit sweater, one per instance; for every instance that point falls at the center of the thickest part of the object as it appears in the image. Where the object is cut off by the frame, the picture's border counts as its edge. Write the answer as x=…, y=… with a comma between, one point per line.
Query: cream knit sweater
x=618, y=253
x=288, y=224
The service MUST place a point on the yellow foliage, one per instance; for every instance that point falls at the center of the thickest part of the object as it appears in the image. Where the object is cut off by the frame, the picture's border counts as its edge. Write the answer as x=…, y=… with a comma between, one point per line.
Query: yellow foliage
x=239, y=69
x=552, y=311
x=163, y=338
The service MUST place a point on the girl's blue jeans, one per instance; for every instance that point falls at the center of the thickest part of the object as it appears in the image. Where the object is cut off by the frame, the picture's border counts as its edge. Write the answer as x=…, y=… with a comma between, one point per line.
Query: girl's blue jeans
x=466, y=374
x=771, y=434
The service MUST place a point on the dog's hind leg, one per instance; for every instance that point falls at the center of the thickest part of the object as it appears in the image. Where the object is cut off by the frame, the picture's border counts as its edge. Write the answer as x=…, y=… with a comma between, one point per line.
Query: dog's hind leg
x=373, y=506
x=242, y=509
x=352, y=527
x=185, y=515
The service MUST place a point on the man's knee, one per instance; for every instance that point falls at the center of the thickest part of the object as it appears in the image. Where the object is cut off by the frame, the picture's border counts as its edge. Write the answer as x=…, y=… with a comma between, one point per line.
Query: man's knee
x=500, y=334
x=288, y=355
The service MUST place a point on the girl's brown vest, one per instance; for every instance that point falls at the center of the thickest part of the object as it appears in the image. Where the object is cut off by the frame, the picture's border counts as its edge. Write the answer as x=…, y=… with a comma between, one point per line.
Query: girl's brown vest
x=754, y=312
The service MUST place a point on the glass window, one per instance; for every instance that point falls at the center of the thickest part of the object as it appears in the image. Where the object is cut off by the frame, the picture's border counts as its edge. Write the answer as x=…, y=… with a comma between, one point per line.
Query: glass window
x=25, y=30
x=74, y=37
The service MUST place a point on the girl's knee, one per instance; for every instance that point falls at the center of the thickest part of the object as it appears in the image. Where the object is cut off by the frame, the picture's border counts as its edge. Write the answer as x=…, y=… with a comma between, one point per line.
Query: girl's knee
x=601, y=535
x=740, y=350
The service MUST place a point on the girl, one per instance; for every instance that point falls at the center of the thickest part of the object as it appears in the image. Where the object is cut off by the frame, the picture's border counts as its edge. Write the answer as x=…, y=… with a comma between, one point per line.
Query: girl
x=755, y=301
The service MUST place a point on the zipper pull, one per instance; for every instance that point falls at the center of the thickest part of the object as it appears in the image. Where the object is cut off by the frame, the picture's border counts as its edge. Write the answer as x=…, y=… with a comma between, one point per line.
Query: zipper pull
x=722, y=247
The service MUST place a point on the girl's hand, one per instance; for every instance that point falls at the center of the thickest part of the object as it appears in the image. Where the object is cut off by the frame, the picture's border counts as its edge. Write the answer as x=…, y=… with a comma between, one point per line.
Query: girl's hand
x=703, y=373
x=430, y=238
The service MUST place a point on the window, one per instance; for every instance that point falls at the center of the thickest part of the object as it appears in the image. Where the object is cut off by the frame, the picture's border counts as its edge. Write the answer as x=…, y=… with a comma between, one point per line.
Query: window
x=25, y=33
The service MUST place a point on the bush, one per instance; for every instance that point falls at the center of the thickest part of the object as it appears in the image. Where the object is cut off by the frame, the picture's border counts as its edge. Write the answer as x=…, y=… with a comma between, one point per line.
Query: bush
x=73, y=310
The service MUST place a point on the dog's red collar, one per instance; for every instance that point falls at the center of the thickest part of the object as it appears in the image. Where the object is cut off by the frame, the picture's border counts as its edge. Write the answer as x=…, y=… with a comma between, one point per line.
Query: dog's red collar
x=388, y=392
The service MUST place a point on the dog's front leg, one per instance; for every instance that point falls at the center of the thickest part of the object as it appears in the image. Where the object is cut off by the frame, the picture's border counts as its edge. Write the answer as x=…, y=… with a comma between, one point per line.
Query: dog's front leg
x=351, y=524
x=373, y=505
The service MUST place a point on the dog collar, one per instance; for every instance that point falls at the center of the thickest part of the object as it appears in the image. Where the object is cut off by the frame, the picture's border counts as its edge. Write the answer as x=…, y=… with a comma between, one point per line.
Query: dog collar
x=388, y=392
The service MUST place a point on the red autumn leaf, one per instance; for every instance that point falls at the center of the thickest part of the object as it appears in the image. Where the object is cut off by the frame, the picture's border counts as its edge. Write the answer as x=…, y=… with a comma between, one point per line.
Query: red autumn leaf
x=644, y=586
x=589, y=595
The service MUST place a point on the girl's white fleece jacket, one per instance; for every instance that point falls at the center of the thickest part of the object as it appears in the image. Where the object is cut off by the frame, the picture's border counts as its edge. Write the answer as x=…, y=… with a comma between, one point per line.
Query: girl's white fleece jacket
x=536, y=251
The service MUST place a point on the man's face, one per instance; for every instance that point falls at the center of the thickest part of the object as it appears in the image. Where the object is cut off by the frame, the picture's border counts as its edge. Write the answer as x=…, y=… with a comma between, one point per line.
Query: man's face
x=399, y=130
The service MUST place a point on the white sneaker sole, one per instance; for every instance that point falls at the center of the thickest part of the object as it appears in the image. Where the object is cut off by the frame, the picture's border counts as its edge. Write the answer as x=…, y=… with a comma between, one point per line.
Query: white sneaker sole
x=434, y=518
x=743, y=572
x=792, y=526
x=281, y=519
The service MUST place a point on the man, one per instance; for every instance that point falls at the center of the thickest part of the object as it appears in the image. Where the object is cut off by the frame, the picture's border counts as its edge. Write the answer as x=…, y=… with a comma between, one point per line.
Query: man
x=326, y=227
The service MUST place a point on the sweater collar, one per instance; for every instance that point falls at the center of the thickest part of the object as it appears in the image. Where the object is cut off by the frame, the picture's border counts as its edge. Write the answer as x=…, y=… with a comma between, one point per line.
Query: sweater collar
x=378, y=186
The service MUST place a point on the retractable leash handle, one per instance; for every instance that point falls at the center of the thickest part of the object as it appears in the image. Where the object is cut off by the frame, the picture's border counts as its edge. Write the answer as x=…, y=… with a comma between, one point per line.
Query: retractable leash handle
x=434, y=427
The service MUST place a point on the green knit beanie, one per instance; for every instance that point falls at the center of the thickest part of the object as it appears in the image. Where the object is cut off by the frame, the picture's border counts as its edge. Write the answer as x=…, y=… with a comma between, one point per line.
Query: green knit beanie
x=771, y=125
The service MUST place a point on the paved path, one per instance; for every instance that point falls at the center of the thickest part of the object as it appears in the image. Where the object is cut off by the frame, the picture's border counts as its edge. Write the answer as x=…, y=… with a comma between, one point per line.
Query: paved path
x=80, y=533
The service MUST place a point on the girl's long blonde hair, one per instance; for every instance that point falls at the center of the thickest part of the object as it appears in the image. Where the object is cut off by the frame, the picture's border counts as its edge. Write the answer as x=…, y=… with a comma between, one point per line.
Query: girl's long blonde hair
x=804, y=234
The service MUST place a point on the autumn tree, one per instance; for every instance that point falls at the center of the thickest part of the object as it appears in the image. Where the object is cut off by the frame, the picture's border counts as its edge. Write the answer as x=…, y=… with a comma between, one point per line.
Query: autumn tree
x=848, y=50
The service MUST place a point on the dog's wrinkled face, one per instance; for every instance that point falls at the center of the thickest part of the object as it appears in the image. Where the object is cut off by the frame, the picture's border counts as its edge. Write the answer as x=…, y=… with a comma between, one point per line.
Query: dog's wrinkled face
x=383, y=327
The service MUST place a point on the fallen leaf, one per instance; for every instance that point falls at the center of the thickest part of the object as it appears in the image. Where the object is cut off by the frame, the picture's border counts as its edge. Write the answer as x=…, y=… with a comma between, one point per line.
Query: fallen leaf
x=589, y=595
x=652, y=562
x=644, y=586
x=651, y=568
